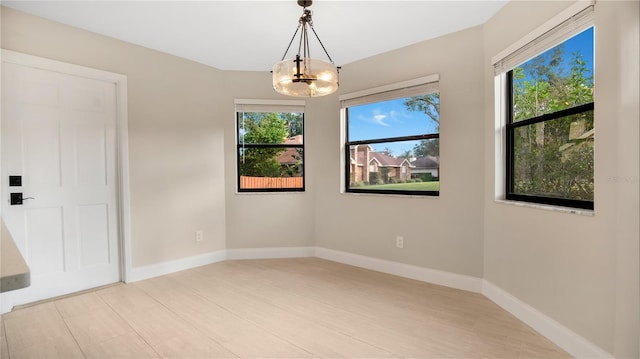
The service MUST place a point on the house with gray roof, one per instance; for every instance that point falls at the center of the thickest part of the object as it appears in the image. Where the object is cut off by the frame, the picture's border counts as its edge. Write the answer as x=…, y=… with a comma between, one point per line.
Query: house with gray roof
x=424, y=165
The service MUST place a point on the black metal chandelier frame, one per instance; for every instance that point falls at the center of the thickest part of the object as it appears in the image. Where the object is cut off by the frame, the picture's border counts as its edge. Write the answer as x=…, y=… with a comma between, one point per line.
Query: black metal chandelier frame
x=303, y=46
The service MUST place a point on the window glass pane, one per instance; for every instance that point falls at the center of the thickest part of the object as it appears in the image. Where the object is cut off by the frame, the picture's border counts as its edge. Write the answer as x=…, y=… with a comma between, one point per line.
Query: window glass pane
x=386, y=146
x=557, y=79
x=395, y=118
x=270, y=127
x=271, y=167
x=395, y=165
x=270, y=151
x=555, y=158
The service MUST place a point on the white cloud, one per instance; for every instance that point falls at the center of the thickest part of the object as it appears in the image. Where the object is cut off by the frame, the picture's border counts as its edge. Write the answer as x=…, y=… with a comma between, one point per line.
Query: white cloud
x=379, y=119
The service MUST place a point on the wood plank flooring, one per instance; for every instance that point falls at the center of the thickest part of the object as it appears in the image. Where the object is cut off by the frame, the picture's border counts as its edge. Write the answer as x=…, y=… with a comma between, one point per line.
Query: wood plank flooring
x=284, y=308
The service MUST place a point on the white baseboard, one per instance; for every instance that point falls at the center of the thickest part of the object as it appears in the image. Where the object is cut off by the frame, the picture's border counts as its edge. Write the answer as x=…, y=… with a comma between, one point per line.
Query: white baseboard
x=565, y=338
x=270, y=253
x=571, y=342
x=453, y=280
x=155, y=270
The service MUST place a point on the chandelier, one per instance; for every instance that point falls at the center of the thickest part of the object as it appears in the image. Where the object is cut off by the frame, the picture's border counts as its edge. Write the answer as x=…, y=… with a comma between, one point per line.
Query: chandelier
x=303, y=76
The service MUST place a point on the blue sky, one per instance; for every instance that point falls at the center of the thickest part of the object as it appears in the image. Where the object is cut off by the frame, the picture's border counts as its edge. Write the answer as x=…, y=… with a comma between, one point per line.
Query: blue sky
x=388, y=119
x=582, y=42
x=392, y=119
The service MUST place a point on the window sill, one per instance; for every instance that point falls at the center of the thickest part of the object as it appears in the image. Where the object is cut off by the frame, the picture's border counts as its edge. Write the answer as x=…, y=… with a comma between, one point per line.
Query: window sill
x=546, y=207
x=388, y=195
x=270, y=193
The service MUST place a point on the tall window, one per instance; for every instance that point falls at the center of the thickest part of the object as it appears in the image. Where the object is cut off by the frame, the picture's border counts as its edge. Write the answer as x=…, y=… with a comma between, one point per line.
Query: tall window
x=270, y=148
x=550, y=124
x=392, y=139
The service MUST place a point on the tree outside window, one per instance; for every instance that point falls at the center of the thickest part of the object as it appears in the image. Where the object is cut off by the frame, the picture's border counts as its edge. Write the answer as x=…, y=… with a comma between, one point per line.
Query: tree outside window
x=550, y=134
x=270, y=151
x=392, y=142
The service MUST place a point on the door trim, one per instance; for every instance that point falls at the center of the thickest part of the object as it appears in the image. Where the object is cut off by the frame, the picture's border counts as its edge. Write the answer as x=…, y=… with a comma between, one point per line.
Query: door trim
x=122, y=140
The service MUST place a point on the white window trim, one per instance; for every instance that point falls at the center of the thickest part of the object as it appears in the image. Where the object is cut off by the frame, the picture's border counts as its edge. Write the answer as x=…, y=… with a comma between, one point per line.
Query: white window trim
x=500, y=123
x=500, y=112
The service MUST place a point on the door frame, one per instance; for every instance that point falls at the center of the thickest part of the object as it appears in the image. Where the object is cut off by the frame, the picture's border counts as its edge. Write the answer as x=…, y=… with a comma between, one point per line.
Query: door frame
x=122, y=143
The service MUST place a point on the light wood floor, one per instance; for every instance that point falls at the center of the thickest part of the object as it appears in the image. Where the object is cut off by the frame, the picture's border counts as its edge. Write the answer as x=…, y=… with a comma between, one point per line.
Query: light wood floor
x=288, y=308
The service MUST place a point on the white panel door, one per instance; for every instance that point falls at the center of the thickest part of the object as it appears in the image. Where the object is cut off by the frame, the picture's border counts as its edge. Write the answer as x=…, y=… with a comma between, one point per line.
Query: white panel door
x=59, y=134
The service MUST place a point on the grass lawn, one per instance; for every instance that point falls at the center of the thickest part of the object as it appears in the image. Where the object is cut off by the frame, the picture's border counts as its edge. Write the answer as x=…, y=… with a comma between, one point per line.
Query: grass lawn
x=411, y=186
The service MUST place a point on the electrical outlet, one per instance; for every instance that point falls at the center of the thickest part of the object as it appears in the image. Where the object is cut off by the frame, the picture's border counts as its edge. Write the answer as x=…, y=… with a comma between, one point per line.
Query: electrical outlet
x=399, y=242
x=199, y=236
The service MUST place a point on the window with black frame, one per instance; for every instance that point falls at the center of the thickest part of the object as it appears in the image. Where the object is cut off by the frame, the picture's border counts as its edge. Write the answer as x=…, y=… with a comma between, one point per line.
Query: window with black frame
x=550, y=125
x=270, y=148
x=392, y=139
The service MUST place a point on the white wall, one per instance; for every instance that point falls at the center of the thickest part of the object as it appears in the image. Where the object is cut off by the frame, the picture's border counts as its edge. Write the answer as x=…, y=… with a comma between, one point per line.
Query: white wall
x=580, y=270
x=445, y=232
x=265, y=220
x=176, y=134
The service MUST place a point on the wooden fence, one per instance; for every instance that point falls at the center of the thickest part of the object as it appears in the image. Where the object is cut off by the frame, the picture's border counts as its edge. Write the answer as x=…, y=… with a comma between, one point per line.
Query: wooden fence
x=270, y=182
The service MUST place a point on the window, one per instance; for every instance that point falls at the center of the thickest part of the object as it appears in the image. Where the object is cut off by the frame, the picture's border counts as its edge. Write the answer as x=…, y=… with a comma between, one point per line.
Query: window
x=550, y=123
x=392, y=137
x=270, y=153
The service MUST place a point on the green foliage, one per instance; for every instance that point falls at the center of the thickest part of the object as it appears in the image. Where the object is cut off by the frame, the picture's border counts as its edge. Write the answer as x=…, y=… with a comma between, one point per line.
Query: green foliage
x=424, y=177
x=408, y=186
x=293, y=170
x=293, y=123
x=425, y=148
x=553, y=158
x=260, y=162
x=430, y=105
x=375, y=178
x=406, y=155
x=384, y=172
x=261, y=128
x=543, y=85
